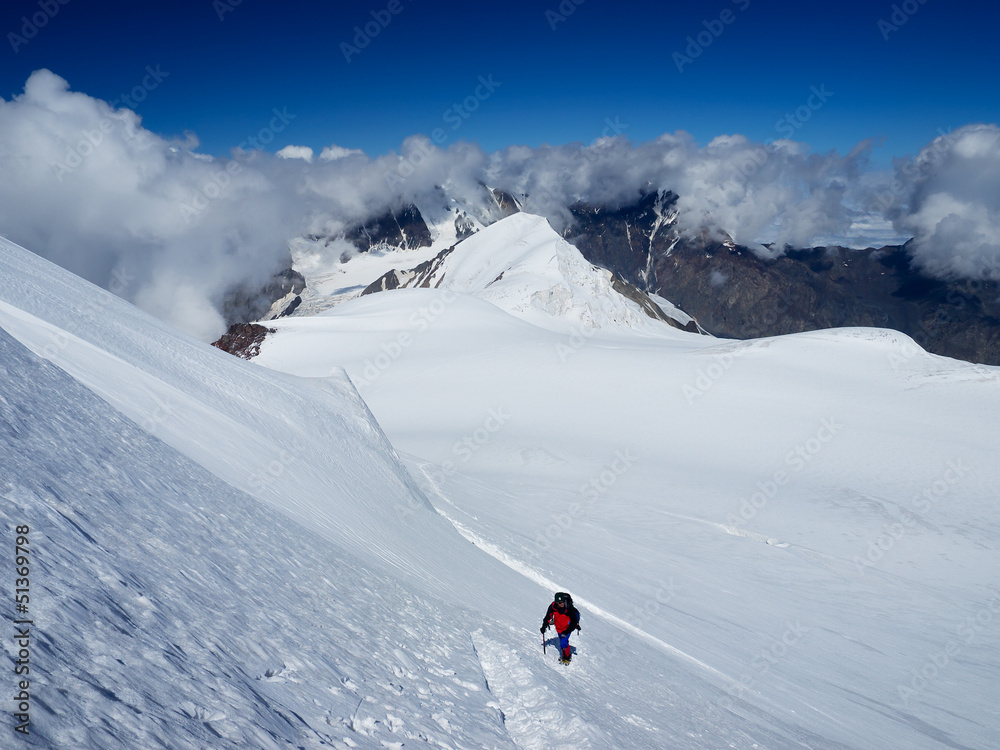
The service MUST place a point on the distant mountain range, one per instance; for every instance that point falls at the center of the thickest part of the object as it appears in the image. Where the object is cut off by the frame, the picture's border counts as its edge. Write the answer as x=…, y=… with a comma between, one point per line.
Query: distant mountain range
x=727, y=288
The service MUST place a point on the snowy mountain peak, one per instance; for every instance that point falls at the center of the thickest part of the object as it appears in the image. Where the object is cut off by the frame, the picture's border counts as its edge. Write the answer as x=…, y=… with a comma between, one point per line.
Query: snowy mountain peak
x=521, y=265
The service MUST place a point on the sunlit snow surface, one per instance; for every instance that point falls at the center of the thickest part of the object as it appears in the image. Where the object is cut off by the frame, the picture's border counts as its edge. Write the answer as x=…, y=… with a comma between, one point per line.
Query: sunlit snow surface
x=283, y=581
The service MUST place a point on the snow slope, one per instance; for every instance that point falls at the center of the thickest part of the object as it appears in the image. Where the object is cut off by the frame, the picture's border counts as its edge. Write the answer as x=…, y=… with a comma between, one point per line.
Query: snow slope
x=227, y=556
x=172, y=610
x=808, y=524
x=317, y=437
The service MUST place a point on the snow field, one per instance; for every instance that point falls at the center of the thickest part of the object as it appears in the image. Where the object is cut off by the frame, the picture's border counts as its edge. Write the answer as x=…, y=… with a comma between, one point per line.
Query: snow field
x=178, y=612
x=181, y=610
x=812, y=517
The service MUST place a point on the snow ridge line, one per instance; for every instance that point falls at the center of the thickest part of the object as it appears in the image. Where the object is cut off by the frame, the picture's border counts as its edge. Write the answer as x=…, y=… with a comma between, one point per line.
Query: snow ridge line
x=541, y=580
x=734, y=530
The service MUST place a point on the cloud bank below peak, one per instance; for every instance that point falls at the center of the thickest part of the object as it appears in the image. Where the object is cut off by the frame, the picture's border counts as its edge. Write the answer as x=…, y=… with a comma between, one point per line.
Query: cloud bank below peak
x=87, y=186
x=949, y=202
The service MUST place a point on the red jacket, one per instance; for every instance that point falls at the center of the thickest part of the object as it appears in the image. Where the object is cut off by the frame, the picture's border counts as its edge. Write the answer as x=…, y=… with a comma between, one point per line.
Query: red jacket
x=565, y=620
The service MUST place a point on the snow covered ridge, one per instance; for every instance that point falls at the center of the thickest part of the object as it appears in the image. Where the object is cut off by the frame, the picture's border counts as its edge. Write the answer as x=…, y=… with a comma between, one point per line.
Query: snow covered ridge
x=523, y=267
x=235, y=558
x=519, y=264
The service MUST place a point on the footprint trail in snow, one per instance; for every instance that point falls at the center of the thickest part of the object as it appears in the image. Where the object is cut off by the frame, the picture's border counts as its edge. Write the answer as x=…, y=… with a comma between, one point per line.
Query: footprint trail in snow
x=536, y=717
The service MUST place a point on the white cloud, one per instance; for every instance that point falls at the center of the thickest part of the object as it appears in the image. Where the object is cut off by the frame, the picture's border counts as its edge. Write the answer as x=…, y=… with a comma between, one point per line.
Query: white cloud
x=332, y=153
x=748, y=190
x=87, y=186
x=951, y=203
x=295, y=152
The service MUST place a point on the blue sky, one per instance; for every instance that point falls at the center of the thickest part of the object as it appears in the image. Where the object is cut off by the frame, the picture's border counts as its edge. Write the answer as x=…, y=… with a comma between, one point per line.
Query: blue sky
x=562, y=76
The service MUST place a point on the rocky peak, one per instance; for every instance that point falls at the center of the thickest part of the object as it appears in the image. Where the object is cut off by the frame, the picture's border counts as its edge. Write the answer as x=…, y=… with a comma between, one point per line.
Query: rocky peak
x=245, y=303
x=402, y=227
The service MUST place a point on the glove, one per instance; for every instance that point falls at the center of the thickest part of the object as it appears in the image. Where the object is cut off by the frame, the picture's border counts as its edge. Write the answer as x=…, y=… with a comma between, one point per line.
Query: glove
x=544, y=628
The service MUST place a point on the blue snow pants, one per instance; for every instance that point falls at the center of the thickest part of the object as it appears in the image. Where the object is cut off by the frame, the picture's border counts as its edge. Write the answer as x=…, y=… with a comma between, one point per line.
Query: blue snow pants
x=564, y=645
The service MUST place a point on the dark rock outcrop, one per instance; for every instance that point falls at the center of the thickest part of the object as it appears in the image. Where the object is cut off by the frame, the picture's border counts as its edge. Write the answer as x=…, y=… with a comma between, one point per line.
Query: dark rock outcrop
x=465, y=227
x=243, y=339
x=244, y=303
x=418, y=276
x=650, y=307
x=626, y=239
x=735, y=293
x=402, y=227
x=505, y=202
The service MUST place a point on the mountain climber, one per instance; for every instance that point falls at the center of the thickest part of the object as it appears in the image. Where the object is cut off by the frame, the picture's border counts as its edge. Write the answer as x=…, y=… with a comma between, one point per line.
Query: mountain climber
x=566, y=618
